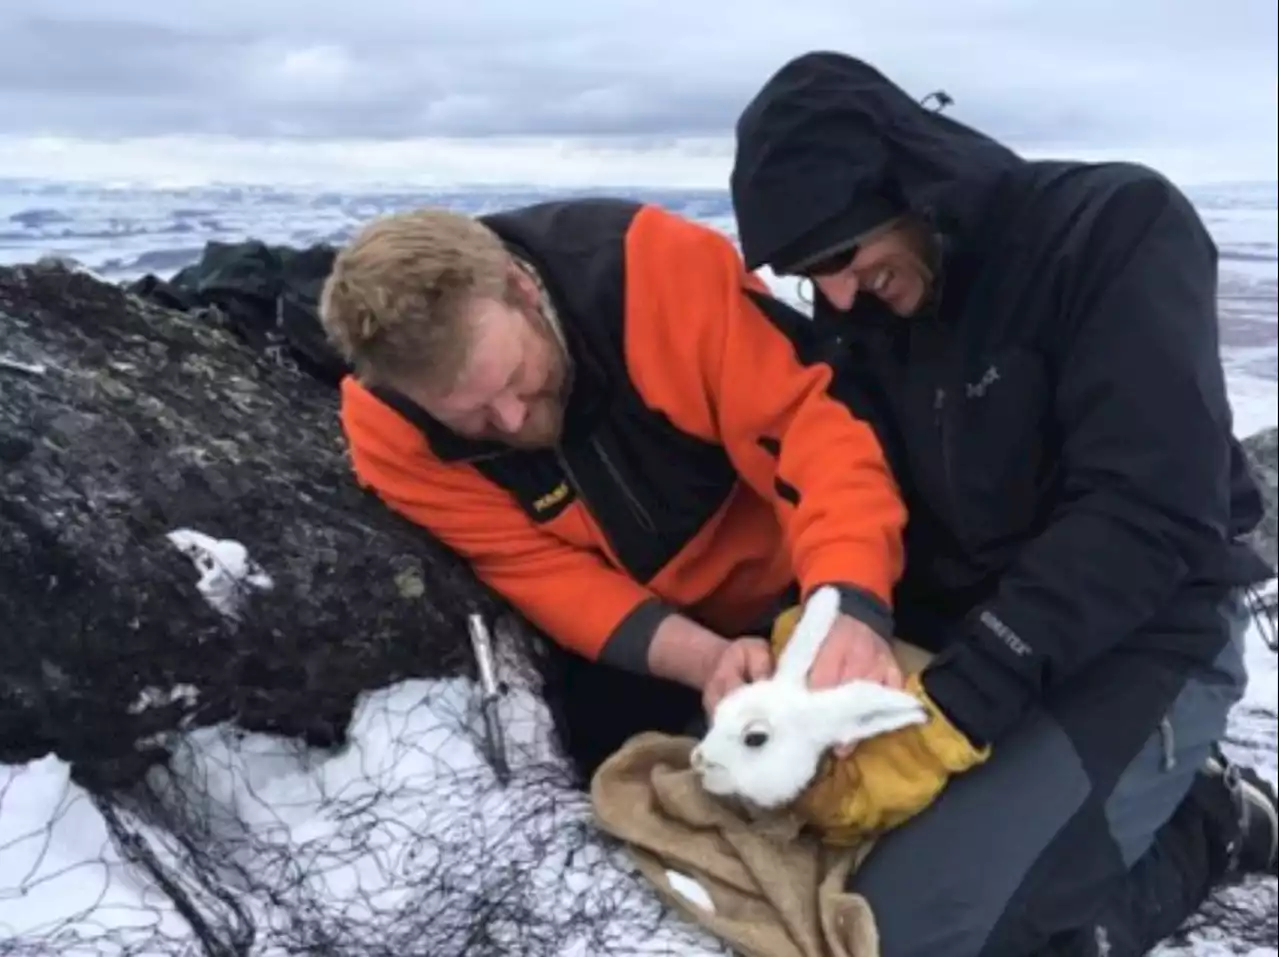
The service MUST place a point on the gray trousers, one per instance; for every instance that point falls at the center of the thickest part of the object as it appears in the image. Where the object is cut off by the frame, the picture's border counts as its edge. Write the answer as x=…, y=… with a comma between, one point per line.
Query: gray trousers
x=1062, y=841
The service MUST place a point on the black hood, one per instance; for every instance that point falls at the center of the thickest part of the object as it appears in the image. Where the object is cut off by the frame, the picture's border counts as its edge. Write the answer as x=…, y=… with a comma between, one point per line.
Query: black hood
x=827, y=131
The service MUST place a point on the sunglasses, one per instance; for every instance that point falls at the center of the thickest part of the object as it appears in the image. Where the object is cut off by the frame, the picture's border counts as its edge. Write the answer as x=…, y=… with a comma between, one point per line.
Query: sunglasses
x=826, y=265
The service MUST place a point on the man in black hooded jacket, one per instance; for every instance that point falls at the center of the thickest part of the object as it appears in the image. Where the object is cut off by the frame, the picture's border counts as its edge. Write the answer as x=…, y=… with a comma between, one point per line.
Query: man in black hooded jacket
x=1036, y=344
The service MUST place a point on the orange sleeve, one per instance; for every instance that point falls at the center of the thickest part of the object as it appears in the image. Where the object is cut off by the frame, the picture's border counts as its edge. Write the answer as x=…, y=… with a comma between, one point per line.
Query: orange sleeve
x=702, y=350
x=546, y=579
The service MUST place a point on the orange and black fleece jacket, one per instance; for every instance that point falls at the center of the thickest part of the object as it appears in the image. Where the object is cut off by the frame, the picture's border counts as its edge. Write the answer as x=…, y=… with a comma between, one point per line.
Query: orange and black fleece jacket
x=703, y=467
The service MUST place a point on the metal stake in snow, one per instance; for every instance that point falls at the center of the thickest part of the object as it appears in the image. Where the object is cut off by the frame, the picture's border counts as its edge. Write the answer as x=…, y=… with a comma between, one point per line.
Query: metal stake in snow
x=482, y=646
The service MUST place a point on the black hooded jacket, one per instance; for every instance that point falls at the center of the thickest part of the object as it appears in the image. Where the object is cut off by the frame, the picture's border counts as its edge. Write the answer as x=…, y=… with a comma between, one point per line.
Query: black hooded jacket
x=1057, y=416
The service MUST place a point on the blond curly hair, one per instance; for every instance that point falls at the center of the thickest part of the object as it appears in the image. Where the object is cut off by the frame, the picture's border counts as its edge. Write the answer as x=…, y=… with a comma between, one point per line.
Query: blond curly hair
x=395, y=299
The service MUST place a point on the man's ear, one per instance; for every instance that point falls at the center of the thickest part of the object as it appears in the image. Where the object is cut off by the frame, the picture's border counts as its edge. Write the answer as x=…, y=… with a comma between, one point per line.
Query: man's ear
x=522, y=285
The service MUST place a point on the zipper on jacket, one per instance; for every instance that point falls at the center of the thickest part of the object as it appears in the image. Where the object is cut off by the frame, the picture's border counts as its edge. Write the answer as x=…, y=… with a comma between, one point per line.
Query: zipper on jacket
x=582, y=495
x=483, y=456
x=573, y=479
x=950, y=503
x=940, y=423
x=637, y=508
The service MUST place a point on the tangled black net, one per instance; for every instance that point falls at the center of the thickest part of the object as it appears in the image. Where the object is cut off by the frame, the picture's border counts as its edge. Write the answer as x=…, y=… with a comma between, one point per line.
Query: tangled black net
x=387, y=834
x=401, y=842
x=298, y=769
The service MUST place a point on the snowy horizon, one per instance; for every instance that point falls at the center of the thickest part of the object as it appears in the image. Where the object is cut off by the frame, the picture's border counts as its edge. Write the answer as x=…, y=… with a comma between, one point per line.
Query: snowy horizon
x=696, y=164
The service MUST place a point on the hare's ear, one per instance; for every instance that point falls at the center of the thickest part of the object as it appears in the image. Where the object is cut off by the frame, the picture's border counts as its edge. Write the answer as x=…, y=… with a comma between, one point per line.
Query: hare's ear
x=820, y=613
x=858, y=710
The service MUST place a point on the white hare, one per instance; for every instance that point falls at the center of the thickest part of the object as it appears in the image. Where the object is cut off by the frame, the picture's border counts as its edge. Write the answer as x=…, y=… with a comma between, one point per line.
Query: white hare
x=767, y=738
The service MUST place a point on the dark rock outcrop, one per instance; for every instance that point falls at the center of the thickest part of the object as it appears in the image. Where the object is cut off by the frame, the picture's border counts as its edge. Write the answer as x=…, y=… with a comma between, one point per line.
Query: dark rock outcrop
x=1262, y=452
x=146, y=422
x=182, y=407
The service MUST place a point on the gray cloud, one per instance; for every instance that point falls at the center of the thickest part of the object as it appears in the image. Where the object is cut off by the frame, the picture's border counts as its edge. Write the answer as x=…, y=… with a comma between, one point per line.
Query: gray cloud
x=1042, y=75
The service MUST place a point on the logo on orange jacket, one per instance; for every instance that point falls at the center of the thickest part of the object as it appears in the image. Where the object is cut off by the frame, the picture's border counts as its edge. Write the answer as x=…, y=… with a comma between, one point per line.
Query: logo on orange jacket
x=553, y=498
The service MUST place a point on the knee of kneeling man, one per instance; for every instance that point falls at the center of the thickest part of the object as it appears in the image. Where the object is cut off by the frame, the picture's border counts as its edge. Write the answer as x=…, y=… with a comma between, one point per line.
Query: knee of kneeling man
x=923, y=918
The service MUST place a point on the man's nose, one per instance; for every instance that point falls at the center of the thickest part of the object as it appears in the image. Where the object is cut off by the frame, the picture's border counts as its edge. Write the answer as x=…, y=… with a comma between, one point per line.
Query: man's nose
x=508, y=413
x=696, y=759
x=840, y=290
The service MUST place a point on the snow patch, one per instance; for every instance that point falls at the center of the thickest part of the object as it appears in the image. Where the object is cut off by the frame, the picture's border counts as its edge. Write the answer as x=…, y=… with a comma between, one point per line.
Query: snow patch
x=690, y=890
x=226, y=570
x=157, y=698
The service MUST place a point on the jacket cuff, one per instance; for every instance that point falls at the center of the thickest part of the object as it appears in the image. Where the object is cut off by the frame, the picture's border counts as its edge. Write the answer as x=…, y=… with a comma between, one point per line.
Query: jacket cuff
x=981, y=697
x=627, y=647
x=863, y=606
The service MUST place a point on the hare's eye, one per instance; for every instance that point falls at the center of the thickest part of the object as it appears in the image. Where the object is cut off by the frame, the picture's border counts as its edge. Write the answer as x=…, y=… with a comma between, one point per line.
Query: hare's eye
x=755, y=739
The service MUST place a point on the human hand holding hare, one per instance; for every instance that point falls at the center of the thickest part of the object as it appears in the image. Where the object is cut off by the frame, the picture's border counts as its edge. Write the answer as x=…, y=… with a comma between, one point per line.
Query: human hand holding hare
x=851, y=651
x=768, y=738
x=768, y=735
x=745, y=660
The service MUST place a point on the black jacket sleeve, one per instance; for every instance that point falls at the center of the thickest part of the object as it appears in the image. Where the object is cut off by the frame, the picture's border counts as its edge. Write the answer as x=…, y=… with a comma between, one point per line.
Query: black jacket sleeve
x=1142, y=406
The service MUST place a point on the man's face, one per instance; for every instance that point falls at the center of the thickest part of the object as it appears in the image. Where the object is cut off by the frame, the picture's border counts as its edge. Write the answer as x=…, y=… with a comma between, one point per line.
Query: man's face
x=889, y=265
x=512, y=390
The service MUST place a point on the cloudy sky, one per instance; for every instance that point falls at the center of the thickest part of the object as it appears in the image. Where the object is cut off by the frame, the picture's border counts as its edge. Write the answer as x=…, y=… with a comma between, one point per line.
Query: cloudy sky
x=623, y=91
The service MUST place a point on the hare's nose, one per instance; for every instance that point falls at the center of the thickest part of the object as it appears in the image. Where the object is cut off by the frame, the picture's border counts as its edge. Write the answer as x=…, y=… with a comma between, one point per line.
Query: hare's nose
x=696, y=759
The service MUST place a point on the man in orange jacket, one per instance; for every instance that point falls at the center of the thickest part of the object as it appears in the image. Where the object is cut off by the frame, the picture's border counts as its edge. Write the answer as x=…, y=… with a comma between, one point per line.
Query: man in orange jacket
x=597, y=406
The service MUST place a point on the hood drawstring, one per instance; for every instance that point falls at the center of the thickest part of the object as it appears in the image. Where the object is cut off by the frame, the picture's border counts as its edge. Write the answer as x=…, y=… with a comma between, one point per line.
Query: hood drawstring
x=803, y=284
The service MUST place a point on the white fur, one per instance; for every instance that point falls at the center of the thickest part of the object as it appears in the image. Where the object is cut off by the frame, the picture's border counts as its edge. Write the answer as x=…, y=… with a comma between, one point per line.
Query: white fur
x=767, y=738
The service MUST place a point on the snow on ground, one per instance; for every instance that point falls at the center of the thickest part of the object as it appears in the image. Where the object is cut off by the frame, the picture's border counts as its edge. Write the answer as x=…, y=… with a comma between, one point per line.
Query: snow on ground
x=353, y=830
x=361, y=832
